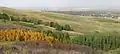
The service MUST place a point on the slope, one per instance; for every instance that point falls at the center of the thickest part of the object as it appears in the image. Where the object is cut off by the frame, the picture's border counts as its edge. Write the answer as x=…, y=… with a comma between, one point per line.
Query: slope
x=81, y=24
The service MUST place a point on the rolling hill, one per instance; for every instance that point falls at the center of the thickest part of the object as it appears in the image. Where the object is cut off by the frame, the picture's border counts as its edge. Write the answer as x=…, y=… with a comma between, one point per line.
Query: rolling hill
x=81, y=24
x=101, y=27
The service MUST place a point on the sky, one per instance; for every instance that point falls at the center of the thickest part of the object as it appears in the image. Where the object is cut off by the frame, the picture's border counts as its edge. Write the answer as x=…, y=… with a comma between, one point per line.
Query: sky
x=60, y=3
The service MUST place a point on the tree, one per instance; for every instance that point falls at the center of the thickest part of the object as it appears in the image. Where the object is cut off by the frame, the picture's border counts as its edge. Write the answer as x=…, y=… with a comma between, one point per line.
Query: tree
x=51, y=24
x=59, y=28
x=39, y=22
x=5, y=16
x=15, y=18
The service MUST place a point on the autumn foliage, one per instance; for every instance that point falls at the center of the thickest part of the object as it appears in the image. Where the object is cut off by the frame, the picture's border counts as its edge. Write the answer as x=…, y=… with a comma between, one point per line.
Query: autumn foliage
x=23, y=35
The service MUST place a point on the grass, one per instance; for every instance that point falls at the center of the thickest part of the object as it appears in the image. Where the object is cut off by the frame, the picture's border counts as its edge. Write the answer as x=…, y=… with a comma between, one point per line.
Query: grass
x=84, y=24
x=81, y=24
x=38, y=47
x=116, y=51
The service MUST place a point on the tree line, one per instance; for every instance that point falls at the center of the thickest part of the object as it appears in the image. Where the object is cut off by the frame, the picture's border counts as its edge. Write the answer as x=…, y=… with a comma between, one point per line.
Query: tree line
x=58, y=26
x=36, y=22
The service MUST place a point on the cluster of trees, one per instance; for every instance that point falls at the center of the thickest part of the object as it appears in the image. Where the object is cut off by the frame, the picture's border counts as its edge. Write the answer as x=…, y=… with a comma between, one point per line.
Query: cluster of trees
x=99, y=41
x=36, y=21
x=24, y=19
x=61, y=36
x=17, y=18
x=4, y=16
x=58, y=26
x=51, y=24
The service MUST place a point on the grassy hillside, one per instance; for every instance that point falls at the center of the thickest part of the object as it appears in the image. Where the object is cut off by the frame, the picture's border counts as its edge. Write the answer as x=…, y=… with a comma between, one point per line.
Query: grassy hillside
x=80, y=24
x=84, y=24
x=87, y=25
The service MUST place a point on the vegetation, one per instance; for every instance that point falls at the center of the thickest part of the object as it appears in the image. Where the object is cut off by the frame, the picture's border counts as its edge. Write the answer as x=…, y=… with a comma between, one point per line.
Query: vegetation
x=101, y=41
x=5, y=16
x=60, y=27
x=105, y=38
x=36, y=22
x=61, y=36
x=22, y=35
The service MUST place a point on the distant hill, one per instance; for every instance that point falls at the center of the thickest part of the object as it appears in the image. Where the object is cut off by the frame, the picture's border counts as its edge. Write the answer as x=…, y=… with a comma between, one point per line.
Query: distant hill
x=81, y=24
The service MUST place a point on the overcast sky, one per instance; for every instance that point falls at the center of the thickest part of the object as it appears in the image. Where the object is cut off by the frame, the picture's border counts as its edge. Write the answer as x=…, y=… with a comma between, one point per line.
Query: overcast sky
x=60, y=3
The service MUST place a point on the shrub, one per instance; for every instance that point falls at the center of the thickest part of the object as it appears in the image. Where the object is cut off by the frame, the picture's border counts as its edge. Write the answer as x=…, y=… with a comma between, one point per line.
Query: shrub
x=4, y=16
x=67, y=27
x=23, y=35
x=52, y=24
x=59, y=28
x=15, y=18
x=61, y=36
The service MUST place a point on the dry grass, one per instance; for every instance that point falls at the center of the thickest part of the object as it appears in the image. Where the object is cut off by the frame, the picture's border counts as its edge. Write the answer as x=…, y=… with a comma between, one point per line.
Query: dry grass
x=42, y=47
x=81, y=24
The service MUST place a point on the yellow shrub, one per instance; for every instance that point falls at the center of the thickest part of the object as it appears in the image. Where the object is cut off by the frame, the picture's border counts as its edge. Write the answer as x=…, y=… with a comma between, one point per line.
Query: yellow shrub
x=22, y=35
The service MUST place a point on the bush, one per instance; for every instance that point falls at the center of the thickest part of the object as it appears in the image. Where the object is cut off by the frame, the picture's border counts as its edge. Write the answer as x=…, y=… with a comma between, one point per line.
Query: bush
x=61, y=36
x=4, y=16
x=59, y=28
x=15, y=18
x=67, y=27
x=39, y=22
x=35, y=21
